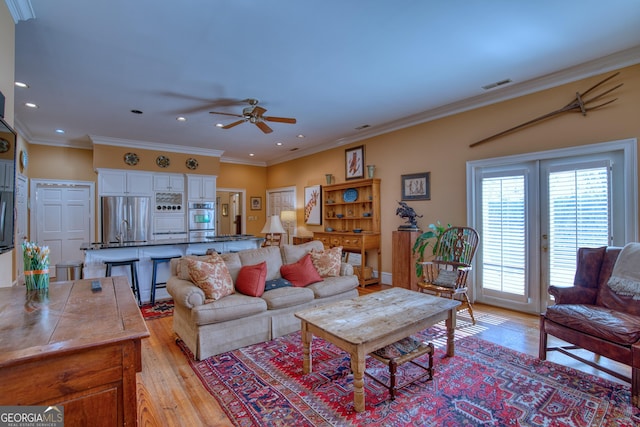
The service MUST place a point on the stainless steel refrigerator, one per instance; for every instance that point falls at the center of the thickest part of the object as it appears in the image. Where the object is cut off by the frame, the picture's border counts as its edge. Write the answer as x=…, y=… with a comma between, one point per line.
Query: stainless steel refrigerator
x=125, y=219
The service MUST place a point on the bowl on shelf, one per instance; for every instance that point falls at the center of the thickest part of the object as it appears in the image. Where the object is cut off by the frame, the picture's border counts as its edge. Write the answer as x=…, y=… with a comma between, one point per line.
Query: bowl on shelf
x=366, y=214
x=340, y=215
x=357, y=230
x=329, y=229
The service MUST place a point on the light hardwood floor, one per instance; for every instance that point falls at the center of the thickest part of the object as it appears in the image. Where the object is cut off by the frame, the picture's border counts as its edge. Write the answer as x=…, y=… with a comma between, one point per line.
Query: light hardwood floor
x=170, y=394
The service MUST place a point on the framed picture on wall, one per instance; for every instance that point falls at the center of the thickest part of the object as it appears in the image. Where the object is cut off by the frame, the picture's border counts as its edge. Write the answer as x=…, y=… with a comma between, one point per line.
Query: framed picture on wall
x=225, y=209
x=313, y=205
x=416, y=186
x=256, y=203
x=354, y=162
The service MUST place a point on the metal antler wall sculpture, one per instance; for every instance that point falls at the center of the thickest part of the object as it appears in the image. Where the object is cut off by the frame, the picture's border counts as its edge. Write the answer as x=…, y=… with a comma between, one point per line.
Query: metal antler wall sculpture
x=579, y=104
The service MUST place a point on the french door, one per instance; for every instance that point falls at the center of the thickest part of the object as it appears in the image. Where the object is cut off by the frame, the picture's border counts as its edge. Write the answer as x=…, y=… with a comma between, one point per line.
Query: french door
x=533, y=215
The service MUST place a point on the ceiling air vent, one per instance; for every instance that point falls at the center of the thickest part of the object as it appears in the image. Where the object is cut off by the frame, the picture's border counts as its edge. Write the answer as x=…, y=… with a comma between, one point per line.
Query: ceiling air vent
x=496, y=84
x=363, y=127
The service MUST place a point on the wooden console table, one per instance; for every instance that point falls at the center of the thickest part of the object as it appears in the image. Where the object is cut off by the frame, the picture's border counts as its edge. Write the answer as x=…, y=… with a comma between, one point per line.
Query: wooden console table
x=74, y=348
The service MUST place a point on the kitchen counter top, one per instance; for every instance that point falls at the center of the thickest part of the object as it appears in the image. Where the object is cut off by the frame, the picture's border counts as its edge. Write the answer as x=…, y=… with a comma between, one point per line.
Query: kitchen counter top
x=168, y=242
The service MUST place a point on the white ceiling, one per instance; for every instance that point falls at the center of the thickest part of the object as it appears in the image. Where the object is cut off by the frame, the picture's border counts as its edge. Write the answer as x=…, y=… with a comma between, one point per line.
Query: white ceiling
x=334, y=65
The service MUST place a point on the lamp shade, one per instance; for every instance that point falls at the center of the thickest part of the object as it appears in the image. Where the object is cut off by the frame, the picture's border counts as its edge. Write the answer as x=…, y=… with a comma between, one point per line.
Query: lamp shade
x=288, y=216
x=273, y=225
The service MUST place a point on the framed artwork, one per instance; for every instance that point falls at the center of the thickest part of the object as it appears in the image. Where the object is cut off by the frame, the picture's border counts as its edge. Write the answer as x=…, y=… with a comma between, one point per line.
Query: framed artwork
x=354, y=162
x=256, y=203
x=416, y=186
x=225, y=209
x=313, y=205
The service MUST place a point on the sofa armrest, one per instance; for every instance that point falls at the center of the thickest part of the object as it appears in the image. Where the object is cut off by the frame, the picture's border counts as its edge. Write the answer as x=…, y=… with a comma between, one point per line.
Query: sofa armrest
x=573, y=295
x=346, y=269
x=184, y=292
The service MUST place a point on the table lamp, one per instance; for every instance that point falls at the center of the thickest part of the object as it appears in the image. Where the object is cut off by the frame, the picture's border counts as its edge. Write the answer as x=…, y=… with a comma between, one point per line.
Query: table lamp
x=273, y=226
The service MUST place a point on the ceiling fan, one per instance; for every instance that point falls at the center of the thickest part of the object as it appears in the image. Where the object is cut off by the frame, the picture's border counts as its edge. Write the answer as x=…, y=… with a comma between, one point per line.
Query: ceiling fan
x=254, y=114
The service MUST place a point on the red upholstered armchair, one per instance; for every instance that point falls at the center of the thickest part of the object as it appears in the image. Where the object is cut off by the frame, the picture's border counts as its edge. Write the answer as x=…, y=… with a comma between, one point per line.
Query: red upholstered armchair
x=590, y=315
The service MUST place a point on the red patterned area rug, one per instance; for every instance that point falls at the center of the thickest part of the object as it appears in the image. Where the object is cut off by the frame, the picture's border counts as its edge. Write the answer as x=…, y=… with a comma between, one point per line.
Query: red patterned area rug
x=157, y=310
x=482, y=385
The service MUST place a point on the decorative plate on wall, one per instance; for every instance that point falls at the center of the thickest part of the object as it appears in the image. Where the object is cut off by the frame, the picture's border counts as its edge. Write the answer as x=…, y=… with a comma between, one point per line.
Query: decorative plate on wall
x=350, y=195
x=163, y=161
x=4, y=145
x=131, y=159
x=192, y=163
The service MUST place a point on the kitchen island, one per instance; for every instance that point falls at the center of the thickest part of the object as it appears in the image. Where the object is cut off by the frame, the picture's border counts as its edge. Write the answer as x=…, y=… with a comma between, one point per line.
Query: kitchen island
x=95, y=255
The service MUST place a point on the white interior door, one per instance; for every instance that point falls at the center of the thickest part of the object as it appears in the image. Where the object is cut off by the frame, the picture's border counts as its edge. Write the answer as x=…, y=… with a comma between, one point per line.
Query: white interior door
x=64, y=220
x=22, y=219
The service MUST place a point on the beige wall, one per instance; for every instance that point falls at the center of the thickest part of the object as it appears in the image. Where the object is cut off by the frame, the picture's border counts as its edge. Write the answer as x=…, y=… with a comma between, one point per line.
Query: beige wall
x=442, y=147
x=106, y=156
x=7, y=55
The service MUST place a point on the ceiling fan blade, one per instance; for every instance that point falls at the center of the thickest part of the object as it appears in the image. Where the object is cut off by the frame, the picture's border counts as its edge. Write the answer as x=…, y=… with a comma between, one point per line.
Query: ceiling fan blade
x=280, y=119
x=226, y=114
x=230, y=125
x=258, y=111
x=263, y=127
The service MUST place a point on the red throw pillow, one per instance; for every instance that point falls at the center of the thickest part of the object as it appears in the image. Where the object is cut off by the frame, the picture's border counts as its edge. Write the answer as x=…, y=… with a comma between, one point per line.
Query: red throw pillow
x=301, y=273
x=251, y=279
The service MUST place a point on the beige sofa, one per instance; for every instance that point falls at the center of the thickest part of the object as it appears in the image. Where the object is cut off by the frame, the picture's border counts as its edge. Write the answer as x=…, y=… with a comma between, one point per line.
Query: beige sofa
x=239, y=320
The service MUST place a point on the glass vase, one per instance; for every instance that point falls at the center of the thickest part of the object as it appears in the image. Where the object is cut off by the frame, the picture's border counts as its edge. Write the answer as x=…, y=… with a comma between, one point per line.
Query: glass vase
x=36, y=279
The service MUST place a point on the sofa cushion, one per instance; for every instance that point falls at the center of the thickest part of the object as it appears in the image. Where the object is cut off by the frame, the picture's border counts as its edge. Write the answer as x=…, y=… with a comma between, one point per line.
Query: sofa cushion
x=287, y=297
x=601, y=322
x=293, y=253
x=277, y=283
x=270, y=255
x=250, y=279
x=333, y=286
x=328, y=261
x=231, y=307
x=182, y=269
x=212, y=277
x=301, y=273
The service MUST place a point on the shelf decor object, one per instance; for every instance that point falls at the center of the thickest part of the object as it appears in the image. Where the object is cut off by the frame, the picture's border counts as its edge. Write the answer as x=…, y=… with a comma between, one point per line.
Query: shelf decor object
x=416, y=186
x=351, y=218
x=313, y=205
x=354, y=162
x=192, y=163
x=163, y=161
x=131, y=159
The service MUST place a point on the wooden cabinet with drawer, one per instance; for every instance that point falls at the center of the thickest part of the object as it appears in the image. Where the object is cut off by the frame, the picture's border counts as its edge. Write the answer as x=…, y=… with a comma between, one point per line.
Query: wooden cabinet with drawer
x=351, y=218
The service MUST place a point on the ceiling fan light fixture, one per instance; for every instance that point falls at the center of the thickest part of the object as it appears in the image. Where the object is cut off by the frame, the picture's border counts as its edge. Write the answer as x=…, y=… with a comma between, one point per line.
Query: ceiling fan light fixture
x=219, y=125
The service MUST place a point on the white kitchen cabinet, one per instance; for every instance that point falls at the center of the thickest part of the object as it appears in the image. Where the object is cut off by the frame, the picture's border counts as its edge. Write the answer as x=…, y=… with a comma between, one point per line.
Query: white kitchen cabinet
x=201, y=187
x=115, y=182
x=168, y=182
x=168, y=223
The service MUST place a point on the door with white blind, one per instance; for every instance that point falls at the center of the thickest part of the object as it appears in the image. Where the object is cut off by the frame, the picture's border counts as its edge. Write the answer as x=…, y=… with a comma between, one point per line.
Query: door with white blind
x=533, y=215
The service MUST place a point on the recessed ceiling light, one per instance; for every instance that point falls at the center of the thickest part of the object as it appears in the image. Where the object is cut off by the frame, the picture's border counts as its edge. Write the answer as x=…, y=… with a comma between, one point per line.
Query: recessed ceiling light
x=20, y=84
x=60, y=131
x=219, y=125
x=278, y=144
x=251, y=154
x=181, y=119
x=31, y=105
x=136, y=111
x=301, y=136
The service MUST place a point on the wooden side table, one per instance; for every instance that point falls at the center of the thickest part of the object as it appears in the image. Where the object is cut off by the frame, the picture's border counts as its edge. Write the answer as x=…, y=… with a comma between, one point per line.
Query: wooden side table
x=75, y=348
x=404, y=268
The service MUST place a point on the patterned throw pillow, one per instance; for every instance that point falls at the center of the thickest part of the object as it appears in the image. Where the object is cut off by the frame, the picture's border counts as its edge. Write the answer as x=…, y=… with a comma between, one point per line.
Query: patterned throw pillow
x=327, y=262
x=301, y=273
x=212, y=277
x=183, y=264
x=277, y=283
x=446, y=278
x=250, y=279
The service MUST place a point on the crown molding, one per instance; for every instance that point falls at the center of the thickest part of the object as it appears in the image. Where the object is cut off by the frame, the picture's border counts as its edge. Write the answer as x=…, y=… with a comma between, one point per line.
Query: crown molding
x=21, y=10
x=157, y=146
x=616, y=61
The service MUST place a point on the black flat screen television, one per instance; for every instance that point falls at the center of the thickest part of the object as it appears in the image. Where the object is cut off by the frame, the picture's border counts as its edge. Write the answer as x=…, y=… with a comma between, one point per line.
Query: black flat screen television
x=8, y=139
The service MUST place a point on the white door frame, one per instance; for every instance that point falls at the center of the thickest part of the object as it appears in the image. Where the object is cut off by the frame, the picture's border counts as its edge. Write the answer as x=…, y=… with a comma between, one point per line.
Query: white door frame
x=33, y=205
x=243, y=196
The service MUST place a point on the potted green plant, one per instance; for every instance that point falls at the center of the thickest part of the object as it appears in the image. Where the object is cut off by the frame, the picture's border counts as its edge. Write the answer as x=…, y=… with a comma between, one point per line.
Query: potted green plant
x=426, y=239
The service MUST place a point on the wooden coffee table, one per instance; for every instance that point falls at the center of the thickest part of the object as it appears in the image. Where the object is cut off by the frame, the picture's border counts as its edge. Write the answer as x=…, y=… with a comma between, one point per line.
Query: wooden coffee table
x=364, y=324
